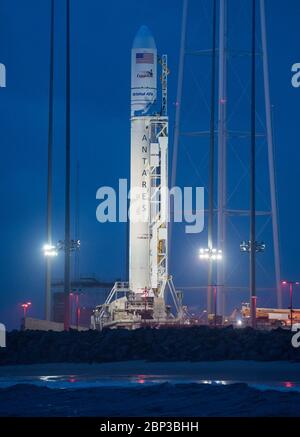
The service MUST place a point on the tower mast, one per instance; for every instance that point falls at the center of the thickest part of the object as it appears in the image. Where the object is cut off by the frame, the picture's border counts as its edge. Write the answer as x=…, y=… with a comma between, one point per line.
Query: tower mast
x=253, y=173
x=67, y=281
x=212, y=161
x=222, y=153
x=270, y=153
x=49, y=170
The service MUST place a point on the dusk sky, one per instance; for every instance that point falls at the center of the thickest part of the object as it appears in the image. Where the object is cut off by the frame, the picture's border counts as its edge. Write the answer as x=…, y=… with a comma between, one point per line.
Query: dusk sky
x=101, y=38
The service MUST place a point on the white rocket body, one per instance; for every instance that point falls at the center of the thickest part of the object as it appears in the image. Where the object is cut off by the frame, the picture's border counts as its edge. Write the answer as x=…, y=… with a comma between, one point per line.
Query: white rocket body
x=139, y=276
x=144, y=244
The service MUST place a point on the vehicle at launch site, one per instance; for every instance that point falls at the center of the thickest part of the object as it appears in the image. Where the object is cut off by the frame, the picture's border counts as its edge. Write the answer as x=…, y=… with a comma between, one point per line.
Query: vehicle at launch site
x=142, y=301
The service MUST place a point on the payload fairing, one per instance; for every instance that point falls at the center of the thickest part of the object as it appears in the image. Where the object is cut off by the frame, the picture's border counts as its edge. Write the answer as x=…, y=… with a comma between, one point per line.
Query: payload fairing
x=143, y=298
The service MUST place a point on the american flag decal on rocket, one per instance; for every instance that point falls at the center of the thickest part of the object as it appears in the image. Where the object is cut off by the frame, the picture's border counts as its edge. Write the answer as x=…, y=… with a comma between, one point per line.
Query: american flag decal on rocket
x=144, y=58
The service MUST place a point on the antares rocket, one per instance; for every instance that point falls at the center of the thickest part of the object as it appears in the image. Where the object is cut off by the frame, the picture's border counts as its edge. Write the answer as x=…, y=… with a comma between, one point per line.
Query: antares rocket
x=149, y=173
x=143, y=298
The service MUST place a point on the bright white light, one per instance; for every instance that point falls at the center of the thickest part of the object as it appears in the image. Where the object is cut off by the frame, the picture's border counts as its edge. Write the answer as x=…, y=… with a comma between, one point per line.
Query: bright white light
x=50, y=253
x=210, y=254
x=239, y=322
x=50, y=250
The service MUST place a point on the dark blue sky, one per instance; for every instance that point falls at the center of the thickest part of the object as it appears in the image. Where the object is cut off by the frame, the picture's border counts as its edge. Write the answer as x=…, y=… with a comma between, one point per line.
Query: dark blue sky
x=102, y=34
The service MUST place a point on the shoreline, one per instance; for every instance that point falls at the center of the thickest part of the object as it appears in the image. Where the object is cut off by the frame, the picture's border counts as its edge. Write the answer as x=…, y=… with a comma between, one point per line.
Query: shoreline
x=229, y=370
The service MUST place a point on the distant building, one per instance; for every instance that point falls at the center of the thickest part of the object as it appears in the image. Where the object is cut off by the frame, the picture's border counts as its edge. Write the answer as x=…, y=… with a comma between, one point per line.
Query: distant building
x=86, y=293
x=85, y=316
x=58, y=307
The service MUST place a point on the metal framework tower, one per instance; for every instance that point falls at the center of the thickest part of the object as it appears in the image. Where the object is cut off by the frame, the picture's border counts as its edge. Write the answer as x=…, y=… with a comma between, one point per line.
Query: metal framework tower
x=222, y=209
x=274, y=207
x=222, y=143
x=67, y=280
x=49, y=168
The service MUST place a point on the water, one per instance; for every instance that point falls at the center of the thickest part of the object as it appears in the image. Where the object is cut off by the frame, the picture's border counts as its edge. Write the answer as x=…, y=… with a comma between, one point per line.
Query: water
x=71, y=381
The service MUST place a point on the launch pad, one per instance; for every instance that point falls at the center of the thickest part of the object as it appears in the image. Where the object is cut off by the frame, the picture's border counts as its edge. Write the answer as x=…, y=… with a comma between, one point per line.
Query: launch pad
x=126, y=309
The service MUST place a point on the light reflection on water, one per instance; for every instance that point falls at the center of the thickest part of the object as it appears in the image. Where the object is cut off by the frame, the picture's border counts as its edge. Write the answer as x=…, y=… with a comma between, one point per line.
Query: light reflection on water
x=88, y=381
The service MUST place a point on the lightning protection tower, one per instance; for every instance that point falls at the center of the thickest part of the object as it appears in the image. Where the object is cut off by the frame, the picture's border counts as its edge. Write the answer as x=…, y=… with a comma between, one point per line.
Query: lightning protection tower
x=233, y=135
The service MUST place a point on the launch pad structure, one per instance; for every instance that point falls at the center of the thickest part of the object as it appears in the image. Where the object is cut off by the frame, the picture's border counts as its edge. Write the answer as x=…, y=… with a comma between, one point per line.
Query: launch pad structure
x=143, y=300
x=126, y=309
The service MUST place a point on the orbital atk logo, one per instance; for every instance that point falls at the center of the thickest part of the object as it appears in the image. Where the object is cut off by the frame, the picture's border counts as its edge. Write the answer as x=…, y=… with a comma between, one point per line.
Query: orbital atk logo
x=143, y=74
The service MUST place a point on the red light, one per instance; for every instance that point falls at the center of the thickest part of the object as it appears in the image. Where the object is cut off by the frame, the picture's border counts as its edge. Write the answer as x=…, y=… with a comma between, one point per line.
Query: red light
x=72, y=379
x=141, y=379
x=289, y=384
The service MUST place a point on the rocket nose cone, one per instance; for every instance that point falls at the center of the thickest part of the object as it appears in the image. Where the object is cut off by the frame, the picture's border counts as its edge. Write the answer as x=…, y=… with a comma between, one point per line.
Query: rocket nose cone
x=144, y=39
